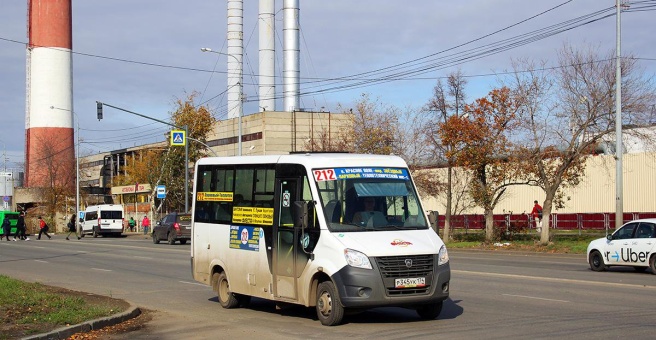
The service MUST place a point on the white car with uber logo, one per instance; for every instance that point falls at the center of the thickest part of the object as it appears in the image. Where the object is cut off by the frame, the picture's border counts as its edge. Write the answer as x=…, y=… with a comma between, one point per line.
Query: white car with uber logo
x=631, y=245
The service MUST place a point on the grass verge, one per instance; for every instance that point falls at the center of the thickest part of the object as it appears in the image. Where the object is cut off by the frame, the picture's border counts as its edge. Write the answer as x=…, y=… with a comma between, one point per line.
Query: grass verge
x=32, y=308
x=562, y=242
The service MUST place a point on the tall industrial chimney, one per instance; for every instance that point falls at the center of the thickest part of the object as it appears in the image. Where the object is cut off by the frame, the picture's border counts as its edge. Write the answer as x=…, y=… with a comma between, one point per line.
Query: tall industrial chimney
x=49, y=136
x=291, y=55
x=235, y=57
x=267, y=35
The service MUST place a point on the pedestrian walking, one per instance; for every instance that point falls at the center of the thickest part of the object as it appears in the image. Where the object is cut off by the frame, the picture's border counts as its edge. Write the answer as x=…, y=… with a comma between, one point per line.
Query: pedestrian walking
x=20, y=227
x=132, y=223
x=145, y=223
x=43, y=228
x=6, y=228
x=72, y=227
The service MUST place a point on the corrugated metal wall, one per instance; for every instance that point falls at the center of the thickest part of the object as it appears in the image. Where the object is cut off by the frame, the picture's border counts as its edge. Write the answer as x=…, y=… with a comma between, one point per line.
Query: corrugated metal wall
x=596, y=193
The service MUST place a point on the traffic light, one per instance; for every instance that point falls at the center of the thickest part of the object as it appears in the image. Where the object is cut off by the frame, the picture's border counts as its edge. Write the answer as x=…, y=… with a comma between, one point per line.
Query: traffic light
x=99, y=105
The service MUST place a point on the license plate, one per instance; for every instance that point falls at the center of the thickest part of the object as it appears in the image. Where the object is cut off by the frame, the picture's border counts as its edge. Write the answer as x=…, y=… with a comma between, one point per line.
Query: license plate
x=410, y=282
x=187, y=227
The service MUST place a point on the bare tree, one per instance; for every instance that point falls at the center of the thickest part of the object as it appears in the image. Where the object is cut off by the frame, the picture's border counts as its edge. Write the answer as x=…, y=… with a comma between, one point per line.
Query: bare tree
x=448, y=100
x=567, y=112
x=57, y=181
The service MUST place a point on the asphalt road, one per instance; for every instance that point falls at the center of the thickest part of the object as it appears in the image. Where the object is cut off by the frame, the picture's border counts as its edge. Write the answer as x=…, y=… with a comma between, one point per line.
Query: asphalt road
x=493, y=295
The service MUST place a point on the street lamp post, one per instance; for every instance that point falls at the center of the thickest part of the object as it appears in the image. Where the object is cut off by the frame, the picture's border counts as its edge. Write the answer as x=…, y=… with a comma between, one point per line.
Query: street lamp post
x=205, y=145
x=186, y=145
x=240, y=106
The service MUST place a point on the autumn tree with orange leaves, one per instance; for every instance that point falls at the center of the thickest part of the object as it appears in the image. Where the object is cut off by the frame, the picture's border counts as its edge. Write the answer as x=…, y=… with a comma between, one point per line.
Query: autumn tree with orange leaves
x=479, y=142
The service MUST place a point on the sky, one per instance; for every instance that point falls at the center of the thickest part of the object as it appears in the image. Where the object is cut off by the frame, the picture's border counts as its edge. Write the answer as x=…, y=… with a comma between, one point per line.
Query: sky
x=143, y=55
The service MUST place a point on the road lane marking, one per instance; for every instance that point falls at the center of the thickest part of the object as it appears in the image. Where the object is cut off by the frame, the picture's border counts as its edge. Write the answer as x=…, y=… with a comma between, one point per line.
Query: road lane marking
x=535, y=297
x=41, y=261
x=193, y=283
x=102, y=270
x=142, y=257
x=552, y=279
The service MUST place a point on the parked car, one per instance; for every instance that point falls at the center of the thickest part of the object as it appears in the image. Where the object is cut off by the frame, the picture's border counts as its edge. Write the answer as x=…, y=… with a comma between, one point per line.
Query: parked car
x=631, y=245
x=173, y=227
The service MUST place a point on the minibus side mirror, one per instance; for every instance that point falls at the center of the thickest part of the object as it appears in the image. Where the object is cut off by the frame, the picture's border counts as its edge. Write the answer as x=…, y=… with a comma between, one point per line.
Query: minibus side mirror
x=300, y=211
x=434, y=218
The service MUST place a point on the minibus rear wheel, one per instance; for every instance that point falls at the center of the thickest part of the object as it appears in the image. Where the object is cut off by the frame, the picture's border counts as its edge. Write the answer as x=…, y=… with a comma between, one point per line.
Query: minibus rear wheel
x=226, y=298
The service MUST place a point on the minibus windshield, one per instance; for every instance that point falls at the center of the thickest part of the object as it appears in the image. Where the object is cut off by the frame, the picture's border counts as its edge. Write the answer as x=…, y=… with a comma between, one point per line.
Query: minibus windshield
x=365, y=199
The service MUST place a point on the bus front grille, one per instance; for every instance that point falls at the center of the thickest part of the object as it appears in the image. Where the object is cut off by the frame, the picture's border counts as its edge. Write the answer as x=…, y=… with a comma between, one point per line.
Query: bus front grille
x=399, y=267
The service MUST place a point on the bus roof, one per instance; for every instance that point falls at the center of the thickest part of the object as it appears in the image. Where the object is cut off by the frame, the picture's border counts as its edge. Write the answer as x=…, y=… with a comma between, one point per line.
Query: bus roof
x=313, y=160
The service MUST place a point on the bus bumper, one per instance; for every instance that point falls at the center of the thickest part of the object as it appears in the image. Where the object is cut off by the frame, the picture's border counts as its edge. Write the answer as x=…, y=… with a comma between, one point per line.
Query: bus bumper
x=366, y=288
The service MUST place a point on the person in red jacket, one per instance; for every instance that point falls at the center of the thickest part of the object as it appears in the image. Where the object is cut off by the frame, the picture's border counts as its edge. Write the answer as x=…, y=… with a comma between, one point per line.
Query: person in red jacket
x=536, y=213
x=145, y=223
x=43, y=228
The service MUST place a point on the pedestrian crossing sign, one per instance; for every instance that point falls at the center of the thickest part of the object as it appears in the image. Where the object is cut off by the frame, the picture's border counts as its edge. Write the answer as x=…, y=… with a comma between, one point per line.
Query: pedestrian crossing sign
x=178, y=138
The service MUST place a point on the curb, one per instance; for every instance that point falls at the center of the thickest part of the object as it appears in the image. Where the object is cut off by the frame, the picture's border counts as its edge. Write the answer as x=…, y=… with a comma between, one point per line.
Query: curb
x=65, y=332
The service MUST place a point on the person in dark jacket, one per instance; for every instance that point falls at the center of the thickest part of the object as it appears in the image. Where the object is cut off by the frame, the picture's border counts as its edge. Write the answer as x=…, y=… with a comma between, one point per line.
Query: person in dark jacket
x=6, y=228
x=20, y=228
x=72, y=227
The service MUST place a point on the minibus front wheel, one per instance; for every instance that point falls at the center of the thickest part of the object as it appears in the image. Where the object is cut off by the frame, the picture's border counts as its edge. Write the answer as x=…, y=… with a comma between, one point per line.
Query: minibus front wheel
x=329, y=307
x=430, y=311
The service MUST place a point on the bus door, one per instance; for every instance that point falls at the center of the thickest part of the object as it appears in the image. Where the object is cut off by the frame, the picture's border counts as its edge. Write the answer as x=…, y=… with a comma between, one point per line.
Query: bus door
x=289, y=260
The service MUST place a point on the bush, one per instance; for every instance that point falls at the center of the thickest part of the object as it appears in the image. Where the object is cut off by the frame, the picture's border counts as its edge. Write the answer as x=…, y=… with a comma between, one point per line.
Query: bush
x=503, y=231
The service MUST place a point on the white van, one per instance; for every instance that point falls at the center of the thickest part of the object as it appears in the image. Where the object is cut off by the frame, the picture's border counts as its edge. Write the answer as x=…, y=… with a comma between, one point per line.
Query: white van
x=104, y=219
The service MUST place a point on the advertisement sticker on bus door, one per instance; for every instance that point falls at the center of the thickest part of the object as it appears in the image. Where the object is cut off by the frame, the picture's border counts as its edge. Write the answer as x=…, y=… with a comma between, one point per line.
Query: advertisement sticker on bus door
x=245, y=238
x=252, y=215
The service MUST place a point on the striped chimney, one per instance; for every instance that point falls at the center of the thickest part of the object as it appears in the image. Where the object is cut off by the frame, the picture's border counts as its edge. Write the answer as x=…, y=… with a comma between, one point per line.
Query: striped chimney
x=49, y=136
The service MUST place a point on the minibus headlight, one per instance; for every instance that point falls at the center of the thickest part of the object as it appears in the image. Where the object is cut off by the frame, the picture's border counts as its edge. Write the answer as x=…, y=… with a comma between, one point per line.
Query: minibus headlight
x=356, y=259
x=442, y=256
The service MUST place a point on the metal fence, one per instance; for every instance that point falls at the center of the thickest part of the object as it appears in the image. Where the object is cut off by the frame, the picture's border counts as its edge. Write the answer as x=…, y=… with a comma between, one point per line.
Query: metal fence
x=578, y=221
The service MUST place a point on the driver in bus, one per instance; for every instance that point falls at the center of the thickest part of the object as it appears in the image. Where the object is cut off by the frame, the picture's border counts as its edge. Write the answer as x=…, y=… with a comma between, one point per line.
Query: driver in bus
x=369, y=217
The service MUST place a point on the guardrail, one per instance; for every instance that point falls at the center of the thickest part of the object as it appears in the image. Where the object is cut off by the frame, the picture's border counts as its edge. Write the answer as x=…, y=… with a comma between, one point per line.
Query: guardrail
x=576, y=221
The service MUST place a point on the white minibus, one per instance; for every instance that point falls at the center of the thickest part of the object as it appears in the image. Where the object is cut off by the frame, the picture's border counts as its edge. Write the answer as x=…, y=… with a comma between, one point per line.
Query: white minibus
x=104, y=219
x=338, y=232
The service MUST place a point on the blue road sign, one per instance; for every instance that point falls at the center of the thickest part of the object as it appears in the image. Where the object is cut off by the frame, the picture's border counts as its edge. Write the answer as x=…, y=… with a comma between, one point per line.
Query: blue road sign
x=178, y=138
x=161, y=191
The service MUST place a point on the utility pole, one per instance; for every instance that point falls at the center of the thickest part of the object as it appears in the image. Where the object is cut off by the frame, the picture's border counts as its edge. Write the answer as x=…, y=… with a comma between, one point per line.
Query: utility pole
x=619, y=194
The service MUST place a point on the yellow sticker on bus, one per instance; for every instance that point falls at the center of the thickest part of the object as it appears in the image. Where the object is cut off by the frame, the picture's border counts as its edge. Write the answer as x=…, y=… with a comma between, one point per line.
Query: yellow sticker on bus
x=252, y=215
x=214, y=196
